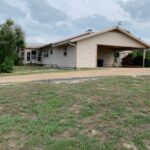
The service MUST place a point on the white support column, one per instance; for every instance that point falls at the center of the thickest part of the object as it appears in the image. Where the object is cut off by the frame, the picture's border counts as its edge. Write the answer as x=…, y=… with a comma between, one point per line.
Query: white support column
x=144, y=55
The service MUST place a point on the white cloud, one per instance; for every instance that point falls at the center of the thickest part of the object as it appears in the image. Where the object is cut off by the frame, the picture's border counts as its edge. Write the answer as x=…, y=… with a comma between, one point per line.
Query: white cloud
x=49, y=20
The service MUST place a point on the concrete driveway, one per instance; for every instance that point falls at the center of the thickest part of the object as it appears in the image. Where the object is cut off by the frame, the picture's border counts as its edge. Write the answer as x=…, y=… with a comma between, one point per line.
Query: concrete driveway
x=106, y=72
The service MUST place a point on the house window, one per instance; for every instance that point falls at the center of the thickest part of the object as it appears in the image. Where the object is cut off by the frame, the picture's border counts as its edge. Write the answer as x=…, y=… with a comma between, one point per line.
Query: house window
x=22, y=55
x=33, y=53
x=65, y=51
x=39, y=55
x=51, y=52
x=45, y=53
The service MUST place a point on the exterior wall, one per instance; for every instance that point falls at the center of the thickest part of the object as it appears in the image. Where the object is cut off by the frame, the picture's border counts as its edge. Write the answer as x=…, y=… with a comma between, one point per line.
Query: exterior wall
x=107, y=55
x=118, y=39
x=46, y=60
x=87, y=48
x=86, y=54
x=58, y=59
x=25, y=56
x=31, y=61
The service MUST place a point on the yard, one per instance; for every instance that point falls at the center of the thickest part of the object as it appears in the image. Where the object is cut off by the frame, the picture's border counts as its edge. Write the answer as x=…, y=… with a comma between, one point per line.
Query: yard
x=24, y=70
x=105, y=114
x=29, y=70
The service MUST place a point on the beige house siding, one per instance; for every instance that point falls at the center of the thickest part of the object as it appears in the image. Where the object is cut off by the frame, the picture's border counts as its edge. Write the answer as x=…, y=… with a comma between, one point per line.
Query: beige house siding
x=115, y=38
x=25, y=56
x=87, y=48
x=58, y=59
x=46, y=60
x=86, y=54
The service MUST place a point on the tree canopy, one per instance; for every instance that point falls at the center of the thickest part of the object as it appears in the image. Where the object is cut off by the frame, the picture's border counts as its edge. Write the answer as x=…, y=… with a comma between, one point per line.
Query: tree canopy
x=12, y=39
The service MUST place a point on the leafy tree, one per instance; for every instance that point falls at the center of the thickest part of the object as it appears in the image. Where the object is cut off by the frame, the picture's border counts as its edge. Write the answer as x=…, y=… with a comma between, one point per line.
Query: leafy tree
x=11, y=41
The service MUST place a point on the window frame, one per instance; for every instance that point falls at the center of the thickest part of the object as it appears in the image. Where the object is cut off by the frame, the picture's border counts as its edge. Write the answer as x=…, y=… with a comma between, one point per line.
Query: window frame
x=33, y=56
x=39, y=58
x=65, y=51
x=46, y=53
x=51, y=51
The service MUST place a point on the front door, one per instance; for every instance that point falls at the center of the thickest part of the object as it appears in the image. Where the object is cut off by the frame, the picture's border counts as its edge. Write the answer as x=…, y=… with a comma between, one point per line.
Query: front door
x=28, y=56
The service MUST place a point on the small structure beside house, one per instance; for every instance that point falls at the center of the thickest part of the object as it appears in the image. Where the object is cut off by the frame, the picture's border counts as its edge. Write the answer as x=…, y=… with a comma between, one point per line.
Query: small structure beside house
x=119, y=58
x=87, y=50
x=31, y=54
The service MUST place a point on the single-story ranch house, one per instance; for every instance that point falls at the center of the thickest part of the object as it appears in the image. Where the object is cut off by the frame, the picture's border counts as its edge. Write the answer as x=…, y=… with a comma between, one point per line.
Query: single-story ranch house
x=88, y=50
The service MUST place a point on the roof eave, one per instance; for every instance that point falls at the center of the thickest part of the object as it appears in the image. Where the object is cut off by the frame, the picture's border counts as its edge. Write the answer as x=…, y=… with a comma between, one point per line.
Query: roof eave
x=112, y=29
x=47, y=45
x=135, y=38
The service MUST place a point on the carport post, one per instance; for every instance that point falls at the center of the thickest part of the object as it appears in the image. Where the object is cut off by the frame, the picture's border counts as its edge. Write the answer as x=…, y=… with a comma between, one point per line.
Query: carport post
x=144, y=55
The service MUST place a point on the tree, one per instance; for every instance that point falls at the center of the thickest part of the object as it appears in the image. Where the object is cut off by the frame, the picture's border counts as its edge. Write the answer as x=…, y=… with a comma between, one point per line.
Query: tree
x=12, y=39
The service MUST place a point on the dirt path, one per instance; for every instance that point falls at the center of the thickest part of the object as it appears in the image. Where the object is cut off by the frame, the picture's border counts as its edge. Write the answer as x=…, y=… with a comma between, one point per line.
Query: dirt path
x=76, y=74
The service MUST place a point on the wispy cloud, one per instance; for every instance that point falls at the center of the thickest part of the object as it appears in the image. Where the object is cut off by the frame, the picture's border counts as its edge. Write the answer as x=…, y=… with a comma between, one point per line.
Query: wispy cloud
x=50, y=20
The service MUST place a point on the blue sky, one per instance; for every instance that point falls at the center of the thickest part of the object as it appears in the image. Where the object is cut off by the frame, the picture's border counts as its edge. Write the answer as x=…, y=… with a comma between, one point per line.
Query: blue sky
x=44, y=21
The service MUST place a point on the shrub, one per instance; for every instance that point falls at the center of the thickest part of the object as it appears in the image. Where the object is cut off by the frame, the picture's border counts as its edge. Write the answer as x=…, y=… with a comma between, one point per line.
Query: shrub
x=133, y=54
x=147, y=62
x=7, y=65
x=128, y=60
x=138, y=61
x=17, y=61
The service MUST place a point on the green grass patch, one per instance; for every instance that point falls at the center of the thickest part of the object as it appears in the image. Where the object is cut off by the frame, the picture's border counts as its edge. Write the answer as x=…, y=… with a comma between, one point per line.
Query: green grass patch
x=105, y=114
x=27, y=70
x=8, y=122
x=138, y=120
x=138, y=141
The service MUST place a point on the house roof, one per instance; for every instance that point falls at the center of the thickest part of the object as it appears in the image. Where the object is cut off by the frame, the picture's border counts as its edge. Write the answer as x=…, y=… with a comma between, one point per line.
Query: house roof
x=109, y=30
x=67, y=40
x=91, y=34
x=33, y=45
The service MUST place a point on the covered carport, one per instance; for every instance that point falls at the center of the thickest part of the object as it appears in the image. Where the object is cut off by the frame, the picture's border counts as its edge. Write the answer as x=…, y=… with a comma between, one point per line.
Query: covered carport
x=98, y=48
x=118, y=41
x=106, y=54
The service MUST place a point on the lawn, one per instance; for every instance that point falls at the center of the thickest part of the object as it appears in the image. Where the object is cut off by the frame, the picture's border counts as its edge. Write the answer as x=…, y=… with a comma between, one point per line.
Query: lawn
x=104, y=114
x=24, y=70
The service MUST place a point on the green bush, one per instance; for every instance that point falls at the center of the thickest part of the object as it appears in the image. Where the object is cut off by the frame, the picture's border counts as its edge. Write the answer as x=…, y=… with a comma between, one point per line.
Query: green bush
x=128, y=60
x=7, y=65
x=138, y=61
x=147, y=62
x=133, y=54
x=17, y=61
